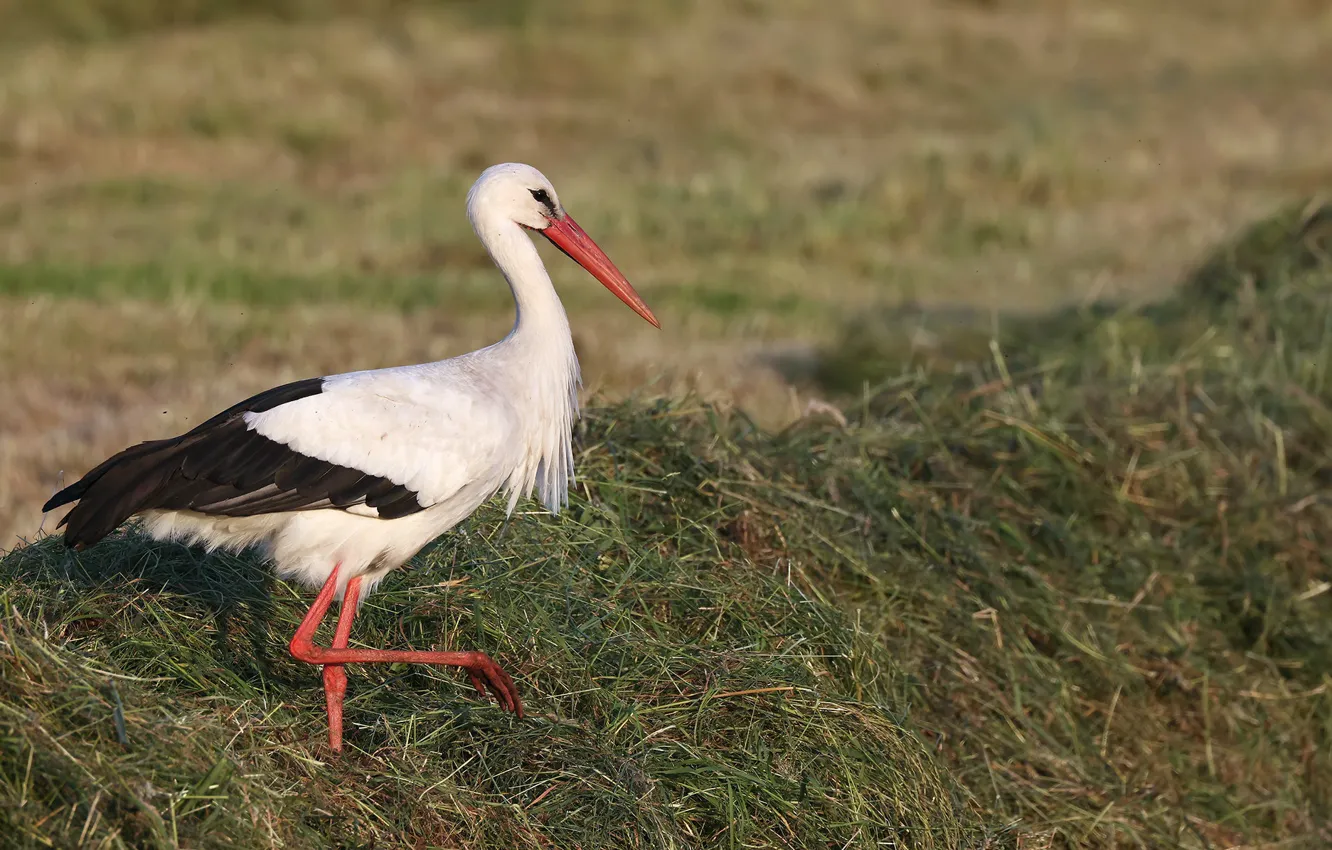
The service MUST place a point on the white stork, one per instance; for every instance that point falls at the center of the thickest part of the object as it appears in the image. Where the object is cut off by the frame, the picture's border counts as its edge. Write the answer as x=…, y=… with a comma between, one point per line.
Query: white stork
x=339, y=480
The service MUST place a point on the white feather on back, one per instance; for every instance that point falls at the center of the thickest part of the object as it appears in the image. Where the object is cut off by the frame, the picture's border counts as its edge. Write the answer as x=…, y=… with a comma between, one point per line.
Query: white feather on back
x=433, y=428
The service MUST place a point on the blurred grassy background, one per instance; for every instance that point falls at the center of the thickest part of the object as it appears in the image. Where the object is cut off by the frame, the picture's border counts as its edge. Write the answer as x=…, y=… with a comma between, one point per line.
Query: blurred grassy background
x=1053, y=576
x=200, y=198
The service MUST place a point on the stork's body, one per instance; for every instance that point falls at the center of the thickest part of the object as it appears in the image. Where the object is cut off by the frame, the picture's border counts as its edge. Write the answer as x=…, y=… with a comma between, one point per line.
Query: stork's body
x=340, y=480
x=446, y=435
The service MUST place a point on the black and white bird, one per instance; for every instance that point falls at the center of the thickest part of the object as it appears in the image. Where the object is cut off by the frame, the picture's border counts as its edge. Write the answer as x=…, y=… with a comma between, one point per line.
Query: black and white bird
x=339, y=480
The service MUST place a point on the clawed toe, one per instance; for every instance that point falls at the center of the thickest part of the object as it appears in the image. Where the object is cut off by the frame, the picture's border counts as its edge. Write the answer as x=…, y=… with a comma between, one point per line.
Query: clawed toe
x=485, y=673
x=478, y=683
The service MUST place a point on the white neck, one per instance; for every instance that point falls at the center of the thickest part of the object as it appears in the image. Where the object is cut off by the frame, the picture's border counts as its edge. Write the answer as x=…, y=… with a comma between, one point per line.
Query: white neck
x=537, y=361
x=540, y=313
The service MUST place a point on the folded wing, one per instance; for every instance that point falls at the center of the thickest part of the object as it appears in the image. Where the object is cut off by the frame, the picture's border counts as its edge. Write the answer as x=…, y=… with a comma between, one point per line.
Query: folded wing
x=387, y=443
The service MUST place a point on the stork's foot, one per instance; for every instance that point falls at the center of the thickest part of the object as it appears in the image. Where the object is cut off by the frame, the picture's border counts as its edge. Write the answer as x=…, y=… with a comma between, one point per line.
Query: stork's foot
x=488, y=678
x=485, y=673
x=481, y=669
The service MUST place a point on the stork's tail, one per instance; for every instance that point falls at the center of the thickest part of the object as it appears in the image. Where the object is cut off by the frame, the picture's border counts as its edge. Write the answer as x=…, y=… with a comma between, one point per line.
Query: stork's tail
x=112, y=492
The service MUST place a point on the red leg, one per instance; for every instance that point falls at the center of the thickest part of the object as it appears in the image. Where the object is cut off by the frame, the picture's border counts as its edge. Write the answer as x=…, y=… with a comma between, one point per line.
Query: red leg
x=305, y=631
x=480, y=668
x=335, y=677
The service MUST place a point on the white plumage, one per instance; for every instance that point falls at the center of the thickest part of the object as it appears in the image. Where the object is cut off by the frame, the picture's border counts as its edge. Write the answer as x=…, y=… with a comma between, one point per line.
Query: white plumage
x=342, y=479
x=448, y=431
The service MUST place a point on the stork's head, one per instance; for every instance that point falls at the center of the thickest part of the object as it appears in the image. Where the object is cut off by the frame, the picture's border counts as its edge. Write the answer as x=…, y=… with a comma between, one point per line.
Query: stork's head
x=523, y=195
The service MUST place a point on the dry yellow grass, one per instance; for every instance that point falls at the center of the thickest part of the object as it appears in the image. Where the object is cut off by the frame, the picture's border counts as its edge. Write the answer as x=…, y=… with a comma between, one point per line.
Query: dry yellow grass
x=762, y=171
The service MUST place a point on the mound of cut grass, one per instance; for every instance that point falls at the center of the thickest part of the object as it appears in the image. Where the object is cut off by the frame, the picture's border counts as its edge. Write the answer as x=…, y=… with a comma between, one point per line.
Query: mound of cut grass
x=681, y=693
x=1069, y=592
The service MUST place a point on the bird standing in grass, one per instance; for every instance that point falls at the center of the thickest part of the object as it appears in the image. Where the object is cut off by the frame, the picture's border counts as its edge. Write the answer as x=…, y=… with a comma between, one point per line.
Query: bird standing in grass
x=339, y=480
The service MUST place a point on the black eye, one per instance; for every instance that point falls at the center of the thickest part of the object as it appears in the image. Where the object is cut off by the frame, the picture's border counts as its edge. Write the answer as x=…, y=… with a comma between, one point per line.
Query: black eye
x=542, y=198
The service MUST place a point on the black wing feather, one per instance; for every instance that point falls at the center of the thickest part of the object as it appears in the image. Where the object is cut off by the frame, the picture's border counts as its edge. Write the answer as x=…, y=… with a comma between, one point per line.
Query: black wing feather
x=395, y=505
x=252, y=465
x=222, y=468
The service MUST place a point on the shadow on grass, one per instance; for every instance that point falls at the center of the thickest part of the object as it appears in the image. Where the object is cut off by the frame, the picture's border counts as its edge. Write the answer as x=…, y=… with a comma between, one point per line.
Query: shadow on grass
x=232, y=595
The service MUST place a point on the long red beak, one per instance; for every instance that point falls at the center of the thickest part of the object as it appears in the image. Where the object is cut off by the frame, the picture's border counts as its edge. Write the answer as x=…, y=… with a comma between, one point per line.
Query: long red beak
x=570, y=238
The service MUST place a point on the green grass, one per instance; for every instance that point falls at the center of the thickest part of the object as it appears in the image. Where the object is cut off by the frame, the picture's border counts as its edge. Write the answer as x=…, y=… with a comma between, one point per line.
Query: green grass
x=157, y=240
x=1058, y=581
x=1071, y=591
x=246, y=287
x=465, y=292
x=100, y=20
